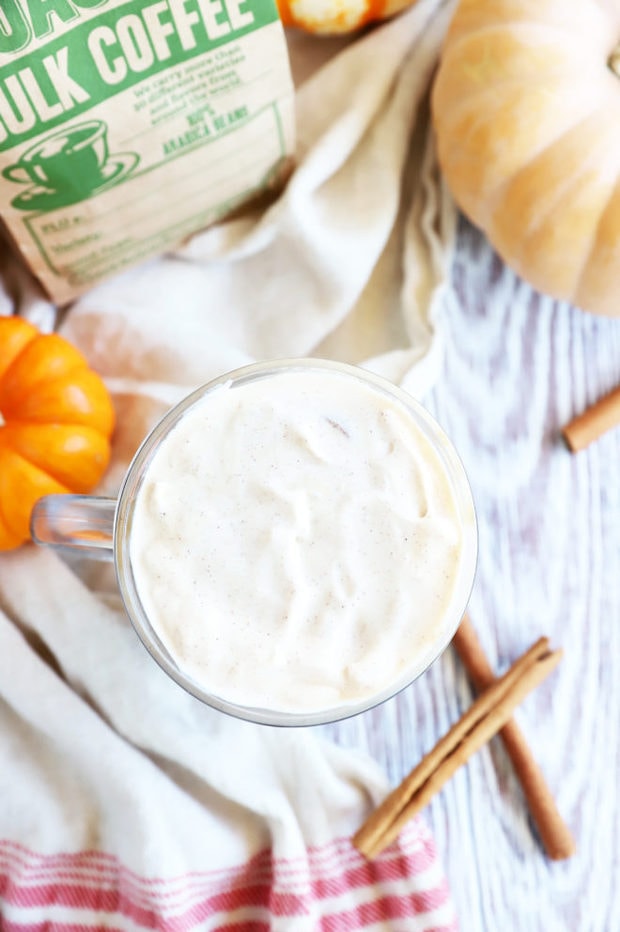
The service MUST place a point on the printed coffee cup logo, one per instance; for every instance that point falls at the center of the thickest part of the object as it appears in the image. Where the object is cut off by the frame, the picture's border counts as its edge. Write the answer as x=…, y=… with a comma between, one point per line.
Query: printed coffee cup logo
x=68, y=166
x=191, y=102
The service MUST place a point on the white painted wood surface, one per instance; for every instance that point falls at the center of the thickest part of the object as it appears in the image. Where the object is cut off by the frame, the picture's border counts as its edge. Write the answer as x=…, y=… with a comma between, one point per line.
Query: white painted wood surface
x=518, y=366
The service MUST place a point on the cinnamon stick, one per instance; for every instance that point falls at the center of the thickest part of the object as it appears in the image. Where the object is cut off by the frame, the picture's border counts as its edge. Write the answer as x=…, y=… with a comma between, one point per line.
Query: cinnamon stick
x=554, y=833
x=595, y=421
x=484, y=718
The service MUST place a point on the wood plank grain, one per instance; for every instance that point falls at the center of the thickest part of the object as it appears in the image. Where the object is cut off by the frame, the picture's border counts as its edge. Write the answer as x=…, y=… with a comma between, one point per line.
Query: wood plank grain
x=517, y=367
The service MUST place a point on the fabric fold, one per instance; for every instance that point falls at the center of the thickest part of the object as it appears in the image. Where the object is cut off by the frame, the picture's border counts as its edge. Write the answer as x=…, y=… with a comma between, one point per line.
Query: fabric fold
x=126, y=803
x=116, y=773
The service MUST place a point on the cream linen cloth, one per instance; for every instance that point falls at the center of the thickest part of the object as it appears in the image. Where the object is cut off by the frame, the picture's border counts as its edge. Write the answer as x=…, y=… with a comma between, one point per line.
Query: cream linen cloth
x=126, y=804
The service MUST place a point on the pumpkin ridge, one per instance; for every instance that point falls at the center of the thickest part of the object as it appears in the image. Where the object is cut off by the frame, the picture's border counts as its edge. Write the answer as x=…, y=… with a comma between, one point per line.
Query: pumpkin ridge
x=8, y=540
x=34, y=386
x=609, y=205
x=457, y=42
x=457, y=113
x=6, y=527
x=481, y=95
x=605, y=205
x=68, y=420
x=18, y=334
x=564, y=187
x=64, y=377
x=567, y=193
x=50, y=346
x=516, y=26
x=455, y=50
x=494, y=196
x=13, y=411
x=59, y=462
x=59, y=488
x=473, y=14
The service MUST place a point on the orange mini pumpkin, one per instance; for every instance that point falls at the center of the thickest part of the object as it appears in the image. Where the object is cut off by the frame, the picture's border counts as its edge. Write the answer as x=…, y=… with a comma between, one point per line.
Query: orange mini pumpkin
x=56, y=419
x=331, y=17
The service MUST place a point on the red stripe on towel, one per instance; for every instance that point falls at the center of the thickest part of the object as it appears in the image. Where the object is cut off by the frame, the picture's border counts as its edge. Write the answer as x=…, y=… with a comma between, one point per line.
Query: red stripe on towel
x=332, y=887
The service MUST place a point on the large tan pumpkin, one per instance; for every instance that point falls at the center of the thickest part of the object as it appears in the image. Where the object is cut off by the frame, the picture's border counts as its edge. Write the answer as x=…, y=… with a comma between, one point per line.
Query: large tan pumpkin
x=526, y=108
x=331, y=17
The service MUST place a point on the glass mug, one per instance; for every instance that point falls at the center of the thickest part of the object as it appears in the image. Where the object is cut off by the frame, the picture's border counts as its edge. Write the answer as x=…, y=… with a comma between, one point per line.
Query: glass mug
x=342, y=404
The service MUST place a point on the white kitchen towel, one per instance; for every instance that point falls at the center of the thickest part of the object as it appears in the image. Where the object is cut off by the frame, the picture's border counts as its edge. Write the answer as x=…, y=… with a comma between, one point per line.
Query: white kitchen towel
x=126, y=804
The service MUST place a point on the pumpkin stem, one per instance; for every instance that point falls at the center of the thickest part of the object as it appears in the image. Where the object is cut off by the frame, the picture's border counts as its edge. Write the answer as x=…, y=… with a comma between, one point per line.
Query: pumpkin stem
x=614, y=61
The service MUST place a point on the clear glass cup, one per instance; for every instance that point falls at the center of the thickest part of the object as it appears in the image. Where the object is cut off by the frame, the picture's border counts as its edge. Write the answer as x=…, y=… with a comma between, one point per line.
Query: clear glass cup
x=100, y=528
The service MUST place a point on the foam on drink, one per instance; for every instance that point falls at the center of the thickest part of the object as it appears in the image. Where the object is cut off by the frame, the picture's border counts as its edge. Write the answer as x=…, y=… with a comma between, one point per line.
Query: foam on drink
x=296, y=542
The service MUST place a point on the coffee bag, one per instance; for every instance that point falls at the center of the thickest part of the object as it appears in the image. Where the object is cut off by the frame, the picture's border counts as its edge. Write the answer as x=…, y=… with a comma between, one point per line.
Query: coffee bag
x=128, y=125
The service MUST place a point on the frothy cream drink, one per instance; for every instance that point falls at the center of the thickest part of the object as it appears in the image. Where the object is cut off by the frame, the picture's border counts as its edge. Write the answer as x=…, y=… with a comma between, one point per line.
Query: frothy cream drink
x=297, y=542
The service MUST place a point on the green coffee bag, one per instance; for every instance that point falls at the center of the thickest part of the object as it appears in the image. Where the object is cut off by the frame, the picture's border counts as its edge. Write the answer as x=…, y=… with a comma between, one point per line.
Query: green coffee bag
x=128, y=125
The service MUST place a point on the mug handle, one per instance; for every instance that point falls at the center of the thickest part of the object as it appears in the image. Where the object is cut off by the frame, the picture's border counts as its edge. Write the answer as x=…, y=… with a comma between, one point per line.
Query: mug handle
x=79, y=524
x=16, y=173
